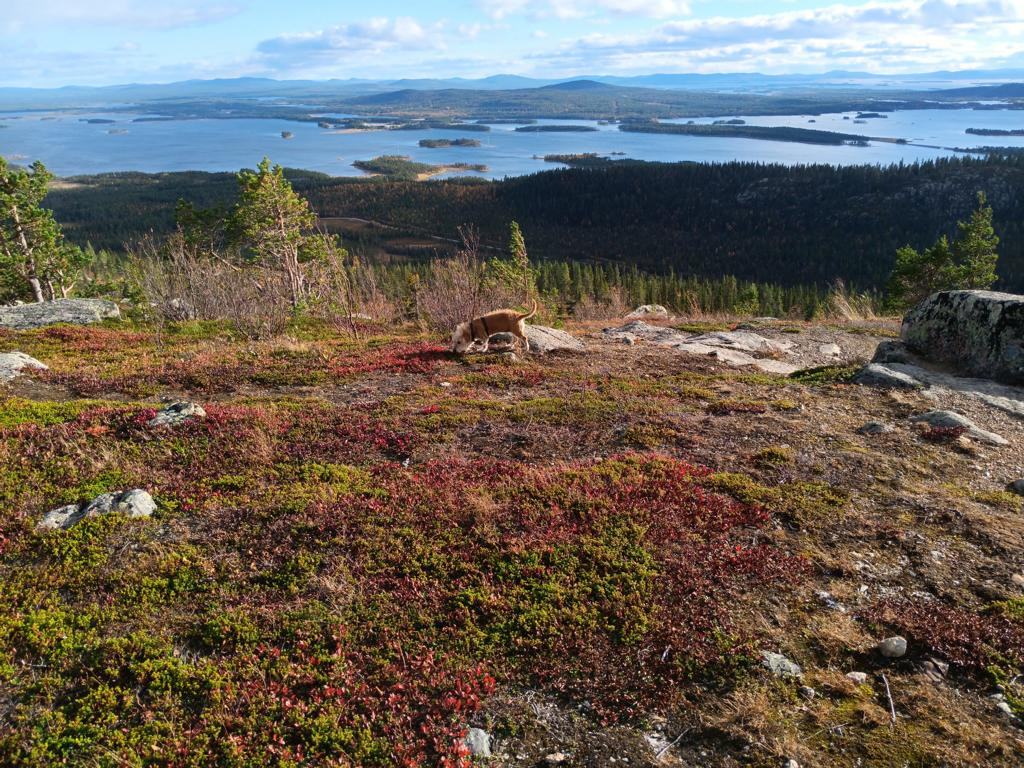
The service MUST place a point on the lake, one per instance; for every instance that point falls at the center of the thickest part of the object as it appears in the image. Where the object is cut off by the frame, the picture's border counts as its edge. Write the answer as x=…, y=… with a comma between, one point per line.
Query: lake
x=70, y=146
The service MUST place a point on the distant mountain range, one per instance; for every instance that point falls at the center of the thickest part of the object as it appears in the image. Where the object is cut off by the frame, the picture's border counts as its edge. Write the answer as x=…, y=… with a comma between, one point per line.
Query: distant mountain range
x=266, y=88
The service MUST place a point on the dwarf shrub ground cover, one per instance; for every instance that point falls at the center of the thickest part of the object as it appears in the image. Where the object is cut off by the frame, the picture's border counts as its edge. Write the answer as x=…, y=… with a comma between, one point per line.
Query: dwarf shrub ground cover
x=302, y=598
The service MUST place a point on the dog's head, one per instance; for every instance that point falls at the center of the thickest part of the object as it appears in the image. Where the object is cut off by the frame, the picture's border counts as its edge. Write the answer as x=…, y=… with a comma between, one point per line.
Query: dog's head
x=462, y=338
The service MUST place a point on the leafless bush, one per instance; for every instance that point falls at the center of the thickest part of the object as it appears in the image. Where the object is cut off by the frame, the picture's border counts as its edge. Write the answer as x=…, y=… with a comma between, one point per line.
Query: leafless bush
x=460, y=288
x=181, y=282
x=343, y=290
x=611, y=307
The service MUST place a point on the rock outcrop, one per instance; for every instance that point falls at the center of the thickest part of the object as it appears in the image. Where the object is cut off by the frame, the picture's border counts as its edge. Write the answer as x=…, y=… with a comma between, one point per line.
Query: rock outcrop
x=980, y=333
x=543, y=339
x=12, y=364
x=176, y=414
x=648, y=312
x=134, y=503
x=23, y=317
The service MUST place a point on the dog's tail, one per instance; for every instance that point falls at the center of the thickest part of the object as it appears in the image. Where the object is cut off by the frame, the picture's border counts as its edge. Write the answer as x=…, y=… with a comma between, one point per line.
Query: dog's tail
x=531, y=313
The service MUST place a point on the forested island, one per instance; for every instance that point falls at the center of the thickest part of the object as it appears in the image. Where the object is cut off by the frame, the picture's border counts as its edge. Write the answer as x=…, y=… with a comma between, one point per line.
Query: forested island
x=754, y=221
x=732, y=130
x=445, y=143
x=556, y=129
x=401, y=167
x=995, y=132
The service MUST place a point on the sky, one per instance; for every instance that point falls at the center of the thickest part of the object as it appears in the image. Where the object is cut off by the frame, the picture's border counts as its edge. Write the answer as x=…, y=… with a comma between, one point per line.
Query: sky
x=49, y=43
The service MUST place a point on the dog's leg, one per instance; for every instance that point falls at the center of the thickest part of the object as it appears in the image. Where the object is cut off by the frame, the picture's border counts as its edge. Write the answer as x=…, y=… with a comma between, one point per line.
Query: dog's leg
x=520, y=333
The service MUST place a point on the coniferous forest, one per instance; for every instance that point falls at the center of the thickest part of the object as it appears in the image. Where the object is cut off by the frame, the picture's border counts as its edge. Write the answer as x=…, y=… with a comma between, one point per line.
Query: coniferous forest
x=770, y=223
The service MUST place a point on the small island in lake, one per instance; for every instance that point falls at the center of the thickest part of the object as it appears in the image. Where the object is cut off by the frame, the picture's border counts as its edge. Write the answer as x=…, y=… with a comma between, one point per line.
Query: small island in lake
x=444, y=143
x=556, y=129
x=97, y=120
x=286, y=134
x=770, y=133
x=995, y=132
x=403, y=168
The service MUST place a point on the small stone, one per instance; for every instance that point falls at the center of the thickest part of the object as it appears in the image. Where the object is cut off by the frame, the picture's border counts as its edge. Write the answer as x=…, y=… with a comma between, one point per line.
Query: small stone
x=780, y=666
x=1017, y=486
x=556, y=758
x=176, y=414
x=857, y=677
x=1006, y=709
x=875, y=428
x=791, y=763
x=13, y=364
x=893, y=647
x=478, y=741
x=830, y=350
x=445, y=384
x=1018, y=579
x=807, y=692
x=829, y=601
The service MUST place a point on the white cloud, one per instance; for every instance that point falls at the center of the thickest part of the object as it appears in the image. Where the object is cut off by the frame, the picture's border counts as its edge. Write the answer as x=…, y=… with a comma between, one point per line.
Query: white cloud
x=907, y=34
x=578, y=9
x=20, y=15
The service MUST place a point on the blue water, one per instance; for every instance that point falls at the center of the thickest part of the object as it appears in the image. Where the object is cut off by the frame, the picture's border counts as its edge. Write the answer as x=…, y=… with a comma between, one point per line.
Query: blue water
x=69, y=146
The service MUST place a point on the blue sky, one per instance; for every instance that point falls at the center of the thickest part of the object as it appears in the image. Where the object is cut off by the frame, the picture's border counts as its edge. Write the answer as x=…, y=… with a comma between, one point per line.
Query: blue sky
x=100, y=42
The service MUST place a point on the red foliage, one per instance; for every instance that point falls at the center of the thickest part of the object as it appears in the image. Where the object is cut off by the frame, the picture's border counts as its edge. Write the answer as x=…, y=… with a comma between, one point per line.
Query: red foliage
x=969, y=639
x=727, y=407
x=401, y=358
x=943, y=435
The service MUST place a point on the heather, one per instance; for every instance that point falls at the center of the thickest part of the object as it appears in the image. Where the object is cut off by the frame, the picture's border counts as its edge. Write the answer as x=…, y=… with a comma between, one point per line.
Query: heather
x=369, y=545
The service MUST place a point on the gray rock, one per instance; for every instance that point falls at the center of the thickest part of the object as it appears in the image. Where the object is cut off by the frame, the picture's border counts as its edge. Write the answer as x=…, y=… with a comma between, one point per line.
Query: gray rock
x=556, y=758
x=884, y=377
x=980, y=333
x=75, y=311
x=134, y=503
x=1017, y=486
x=744, y=341
x=543, y=339
x=893, y=351
x=650, y=311
x=791, y=763
x=12, y=364
x=875, y=428
x=500, y=341
x=953, y=420
x=478, y=741
x=177, y=413
x=859, y=678
x=807, y=692
x=893, y=647
x=780, y=666
x=830, y=350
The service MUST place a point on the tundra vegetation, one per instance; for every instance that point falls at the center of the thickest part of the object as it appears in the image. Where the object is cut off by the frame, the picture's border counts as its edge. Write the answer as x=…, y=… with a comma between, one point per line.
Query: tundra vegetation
x=368, y=545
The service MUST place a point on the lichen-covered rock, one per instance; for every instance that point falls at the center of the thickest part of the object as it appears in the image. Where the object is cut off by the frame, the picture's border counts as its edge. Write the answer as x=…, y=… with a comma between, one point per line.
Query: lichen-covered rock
x=884, y=377
x=75, y=311
x=977, y=332
x=177, y=413
x=478, y=742
x=894, y=647
x=134, y=503
x=648, y=311
x=13, y=363
x=953, y=420
x=543, y=339
x=780, y=666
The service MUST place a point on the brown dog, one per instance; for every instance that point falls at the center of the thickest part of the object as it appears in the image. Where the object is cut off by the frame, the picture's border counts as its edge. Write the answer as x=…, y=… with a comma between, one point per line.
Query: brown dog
x=480, y=328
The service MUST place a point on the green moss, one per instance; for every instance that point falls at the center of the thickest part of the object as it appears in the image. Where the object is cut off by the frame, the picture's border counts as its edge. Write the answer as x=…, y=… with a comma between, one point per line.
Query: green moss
x=773, y=456
x=806, y=504
x=17, y=410
x=697, y=326
x=826, y=374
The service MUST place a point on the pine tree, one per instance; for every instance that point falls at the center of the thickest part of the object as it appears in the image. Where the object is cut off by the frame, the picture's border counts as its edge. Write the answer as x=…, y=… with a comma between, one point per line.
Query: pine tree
x=34, y=257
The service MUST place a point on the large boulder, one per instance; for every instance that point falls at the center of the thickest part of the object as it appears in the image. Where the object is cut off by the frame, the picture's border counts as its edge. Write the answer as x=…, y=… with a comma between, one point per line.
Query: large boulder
x=13, y=363
x=543, y=339
x=648, y=312
x=980, y=333
x=23, y=317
